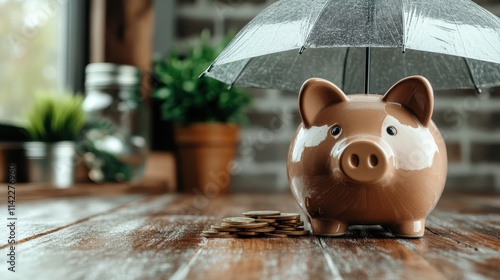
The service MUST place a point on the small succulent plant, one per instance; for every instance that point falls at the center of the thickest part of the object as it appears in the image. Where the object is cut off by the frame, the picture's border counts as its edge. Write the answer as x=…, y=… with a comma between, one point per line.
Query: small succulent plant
x=56, y=117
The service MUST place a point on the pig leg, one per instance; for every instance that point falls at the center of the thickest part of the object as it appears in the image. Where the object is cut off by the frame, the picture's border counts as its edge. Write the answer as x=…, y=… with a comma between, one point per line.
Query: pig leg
x=411, y=229
x=328, y=227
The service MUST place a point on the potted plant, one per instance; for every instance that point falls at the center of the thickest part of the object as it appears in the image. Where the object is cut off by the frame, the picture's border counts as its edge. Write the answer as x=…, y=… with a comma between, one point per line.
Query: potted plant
x=206, y=114
x=53, y=124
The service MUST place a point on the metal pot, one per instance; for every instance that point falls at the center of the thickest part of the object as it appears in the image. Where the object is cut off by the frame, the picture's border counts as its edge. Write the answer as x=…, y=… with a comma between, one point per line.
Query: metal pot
x=52, y=163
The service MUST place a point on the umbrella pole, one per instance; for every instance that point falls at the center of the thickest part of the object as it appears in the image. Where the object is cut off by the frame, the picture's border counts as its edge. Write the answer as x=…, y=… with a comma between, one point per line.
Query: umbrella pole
x=368, y=59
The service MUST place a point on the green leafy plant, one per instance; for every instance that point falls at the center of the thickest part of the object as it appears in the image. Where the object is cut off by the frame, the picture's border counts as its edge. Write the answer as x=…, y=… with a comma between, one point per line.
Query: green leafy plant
x=188, y=99
x=56, y=117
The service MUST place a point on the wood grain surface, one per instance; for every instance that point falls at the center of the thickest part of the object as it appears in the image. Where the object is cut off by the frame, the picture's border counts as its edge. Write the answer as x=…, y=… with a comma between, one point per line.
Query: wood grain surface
x=157, y=236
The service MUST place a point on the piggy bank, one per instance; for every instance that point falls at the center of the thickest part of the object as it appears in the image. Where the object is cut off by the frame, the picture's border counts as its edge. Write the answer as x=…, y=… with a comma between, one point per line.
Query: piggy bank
x=367, y=159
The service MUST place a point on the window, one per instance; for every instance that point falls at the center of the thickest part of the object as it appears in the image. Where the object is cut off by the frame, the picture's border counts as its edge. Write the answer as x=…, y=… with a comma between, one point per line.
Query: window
x=32, y=53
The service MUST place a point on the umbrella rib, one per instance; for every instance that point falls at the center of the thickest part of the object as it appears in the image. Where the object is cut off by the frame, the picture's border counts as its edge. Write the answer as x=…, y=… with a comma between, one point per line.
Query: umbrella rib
x=314, y=24
x=239, y=74
x=474, y=82
x=403, y=48
x=344, y=70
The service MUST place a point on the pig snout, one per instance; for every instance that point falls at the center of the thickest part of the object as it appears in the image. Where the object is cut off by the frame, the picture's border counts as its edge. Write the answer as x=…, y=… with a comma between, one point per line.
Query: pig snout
x=364, y=162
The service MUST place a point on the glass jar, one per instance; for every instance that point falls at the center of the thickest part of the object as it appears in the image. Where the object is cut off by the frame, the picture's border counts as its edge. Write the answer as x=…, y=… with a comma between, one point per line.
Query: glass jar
x=114, y=143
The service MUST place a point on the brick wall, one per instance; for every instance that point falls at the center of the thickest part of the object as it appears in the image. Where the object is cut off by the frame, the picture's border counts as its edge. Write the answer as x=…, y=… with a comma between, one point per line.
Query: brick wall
x=470, y=123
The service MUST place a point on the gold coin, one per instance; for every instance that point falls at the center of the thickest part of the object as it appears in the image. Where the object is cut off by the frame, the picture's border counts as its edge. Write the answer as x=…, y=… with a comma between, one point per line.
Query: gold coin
x=293, y=232
x=226, y=225
x=263, y=229
x=285, y=225
x=296, y=224
x=225, y=236
x=238, y=220
x=212, y=233
x=265, y=221
x=285, y=216
x=262, y=213
x=224, y=229
x=247, y=233
x=252, y=225
x=288, y=226
x=290, y=222
x=219, y=236
x=275, y=235
x=285, y=228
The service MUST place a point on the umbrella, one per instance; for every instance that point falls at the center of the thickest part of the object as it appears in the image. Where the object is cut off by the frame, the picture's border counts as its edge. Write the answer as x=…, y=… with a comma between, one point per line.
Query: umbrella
x=454, y=43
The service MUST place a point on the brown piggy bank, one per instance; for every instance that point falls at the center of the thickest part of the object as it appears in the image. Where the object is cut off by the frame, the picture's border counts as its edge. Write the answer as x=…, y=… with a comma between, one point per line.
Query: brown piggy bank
x=367, y=159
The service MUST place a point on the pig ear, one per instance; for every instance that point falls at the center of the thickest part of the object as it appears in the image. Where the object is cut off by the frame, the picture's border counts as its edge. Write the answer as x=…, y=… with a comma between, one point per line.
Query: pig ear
x=416, y=94
x=315, y=95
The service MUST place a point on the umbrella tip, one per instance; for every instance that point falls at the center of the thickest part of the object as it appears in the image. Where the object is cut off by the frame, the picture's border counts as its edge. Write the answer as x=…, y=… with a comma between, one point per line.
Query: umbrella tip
x=302, y=49
x=206, y=71
x=403, y=49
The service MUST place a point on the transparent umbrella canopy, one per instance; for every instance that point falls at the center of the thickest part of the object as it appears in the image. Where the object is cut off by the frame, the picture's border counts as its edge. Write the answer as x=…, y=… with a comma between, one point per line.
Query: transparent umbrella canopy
x=453, y=43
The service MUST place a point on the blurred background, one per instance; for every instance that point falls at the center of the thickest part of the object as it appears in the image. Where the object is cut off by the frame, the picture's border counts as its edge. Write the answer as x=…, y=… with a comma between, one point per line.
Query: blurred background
x=46, y=45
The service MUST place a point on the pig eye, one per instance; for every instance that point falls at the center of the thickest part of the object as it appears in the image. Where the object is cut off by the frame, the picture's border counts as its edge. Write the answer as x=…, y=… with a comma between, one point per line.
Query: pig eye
x=336, y=130
x=391, y=130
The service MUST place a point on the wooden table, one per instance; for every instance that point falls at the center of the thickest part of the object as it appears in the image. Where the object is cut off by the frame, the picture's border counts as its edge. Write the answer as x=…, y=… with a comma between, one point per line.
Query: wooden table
x=157, y=236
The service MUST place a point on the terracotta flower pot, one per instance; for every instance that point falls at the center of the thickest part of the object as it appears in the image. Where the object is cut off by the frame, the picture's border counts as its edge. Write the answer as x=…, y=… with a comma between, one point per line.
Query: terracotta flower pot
x=205, y=153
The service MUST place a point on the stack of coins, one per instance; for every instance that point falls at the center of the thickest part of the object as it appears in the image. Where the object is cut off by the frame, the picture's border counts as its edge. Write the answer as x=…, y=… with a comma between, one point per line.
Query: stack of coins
x=266, y=223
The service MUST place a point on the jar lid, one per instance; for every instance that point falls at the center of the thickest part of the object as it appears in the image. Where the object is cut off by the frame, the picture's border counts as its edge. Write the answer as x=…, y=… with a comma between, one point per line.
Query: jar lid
x=110, y=74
